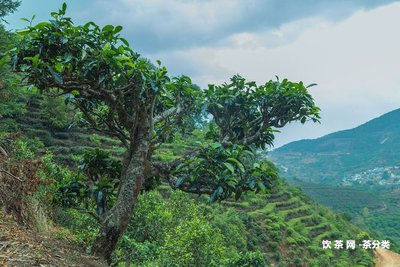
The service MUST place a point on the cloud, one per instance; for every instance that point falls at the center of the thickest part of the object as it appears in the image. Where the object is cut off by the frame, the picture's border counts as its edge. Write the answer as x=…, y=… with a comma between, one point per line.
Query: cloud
x=156, y=25
x=355, y=63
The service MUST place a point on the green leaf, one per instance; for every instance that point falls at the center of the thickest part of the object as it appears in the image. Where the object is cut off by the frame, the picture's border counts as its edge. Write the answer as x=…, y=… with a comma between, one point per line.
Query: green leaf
x=35, y=60
x=118, y=29
x=248, y=153
x=42, y=25
x=261, y=185
x=68, y=57
x=59, y=67
x=83, y=54
x=88, y=24
x=107, y=46
x=63, y=9
x=57, y=77
x=108, y=28
x=311, y=85
x=238, y=163
x=179, y=181
x=229, y=167
x=124, y=41
x=232, y=183
x=23, y=32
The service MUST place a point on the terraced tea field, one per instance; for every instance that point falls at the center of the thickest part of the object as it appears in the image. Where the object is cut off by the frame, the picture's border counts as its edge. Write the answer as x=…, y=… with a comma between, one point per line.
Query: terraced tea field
x=292, y=227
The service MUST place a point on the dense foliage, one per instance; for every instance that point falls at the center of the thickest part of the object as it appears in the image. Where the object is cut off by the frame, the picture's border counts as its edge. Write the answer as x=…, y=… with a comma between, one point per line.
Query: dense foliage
x=120, y=94
x=8, y=6
x=199, y=141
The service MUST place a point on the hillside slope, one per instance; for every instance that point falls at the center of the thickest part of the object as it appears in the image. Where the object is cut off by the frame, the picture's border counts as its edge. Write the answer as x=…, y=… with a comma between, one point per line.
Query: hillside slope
x=361, y=155
x=50, y=121
x=20, y=246
x=294, y=226
x=355, y=171
x=286, y=225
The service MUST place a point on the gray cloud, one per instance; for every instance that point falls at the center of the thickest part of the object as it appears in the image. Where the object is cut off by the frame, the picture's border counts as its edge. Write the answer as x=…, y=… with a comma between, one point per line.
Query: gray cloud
x=354, y=61
x=156, y=25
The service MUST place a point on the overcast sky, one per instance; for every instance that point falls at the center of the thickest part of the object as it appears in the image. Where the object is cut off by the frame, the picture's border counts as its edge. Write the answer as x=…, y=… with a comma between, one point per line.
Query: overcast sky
x=350, y=48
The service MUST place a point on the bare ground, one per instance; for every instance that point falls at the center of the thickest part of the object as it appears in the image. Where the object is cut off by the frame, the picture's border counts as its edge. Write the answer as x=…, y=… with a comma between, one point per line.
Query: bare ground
x=387, y=258
x=20, y=246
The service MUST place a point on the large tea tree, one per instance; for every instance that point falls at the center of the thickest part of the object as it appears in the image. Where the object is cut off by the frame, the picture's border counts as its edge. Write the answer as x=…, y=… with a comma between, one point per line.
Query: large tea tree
x=127, y=97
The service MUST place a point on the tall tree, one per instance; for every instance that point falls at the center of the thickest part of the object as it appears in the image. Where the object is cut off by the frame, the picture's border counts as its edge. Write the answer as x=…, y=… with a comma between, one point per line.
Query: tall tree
x=7, y=7
x=125, y=96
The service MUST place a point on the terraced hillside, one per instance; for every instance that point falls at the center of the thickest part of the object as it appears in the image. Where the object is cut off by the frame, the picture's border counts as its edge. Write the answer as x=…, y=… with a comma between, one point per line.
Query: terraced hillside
x=48, y=120
x=285, y=224
x=350, y=199
x=292, y=227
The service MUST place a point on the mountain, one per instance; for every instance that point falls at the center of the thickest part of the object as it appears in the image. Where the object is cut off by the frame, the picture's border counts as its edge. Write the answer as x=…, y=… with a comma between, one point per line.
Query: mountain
x=368, y=154
x=356, y=171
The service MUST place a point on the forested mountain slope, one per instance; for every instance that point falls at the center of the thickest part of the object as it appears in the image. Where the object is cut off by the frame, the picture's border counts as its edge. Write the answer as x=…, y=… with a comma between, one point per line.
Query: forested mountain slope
x=366, y=154
x=356, y=171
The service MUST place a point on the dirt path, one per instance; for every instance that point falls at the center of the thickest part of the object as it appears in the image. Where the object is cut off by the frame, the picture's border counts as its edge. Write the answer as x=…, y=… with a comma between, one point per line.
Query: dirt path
x=387, y=258
x=23, y=247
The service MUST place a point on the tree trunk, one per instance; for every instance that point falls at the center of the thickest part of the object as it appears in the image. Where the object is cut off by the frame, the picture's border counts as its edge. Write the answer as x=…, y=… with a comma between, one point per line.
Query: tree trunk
x=117, y=218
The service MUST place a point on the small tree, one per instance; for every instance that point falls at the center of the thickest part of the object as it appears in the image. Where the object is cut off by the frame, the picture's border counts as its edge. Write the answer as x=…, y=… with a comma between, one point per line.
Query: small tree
x=125, y=96
x=7, y=7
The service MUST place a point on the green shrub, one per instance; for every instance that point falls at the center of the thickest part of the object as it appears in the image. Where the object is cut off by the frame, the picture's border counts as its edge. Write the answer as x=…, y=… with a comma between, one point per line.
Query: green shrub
x=249, y=259
x=56, y=111
x=9, y=125
x=193, y=243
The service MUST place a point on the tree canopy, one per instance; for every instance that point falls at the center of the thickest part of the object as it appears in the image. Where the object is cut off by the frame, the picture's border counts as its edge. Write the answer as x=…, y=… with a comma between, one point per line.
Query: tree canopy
x=123, y=95
x=8, y=6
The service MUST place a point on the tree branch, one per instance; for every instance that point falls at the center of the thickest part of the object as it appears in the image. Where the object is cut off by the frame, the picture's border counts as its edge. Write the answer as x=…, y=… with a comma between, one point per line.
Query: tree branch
x=166, y=114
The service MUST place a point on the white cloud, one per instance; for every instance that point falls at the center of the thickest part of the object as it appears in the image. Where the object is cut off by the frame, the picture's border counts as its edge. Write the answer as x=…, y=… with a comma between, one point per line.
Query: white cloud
x=157, y=25
x=355, y=63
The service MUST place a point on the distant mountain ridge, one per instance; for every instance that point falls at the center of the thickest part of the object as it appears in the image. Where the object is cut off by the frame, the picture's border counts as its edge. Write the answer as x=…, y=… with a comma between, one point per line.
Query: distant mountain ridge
x=333, y=157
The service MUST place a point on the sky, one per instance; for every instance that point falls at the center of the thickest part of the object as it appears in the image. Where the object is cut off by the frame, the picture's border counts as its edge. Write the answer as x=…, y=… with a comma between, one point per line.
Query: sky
x=350, y=48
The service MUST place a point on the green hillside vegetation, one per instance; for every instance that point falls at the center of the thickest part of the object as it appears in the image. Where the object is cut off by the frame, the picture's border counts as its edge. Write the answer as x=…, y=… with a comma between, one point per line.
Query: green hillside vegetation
x=378, y=212
x=51, y=122
x=318, y=167
x=348, y=199
x=170, y=228
x=284, y=227
x=385, y=220
x=116, y=91
x=373, y=144
x=123, y=164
